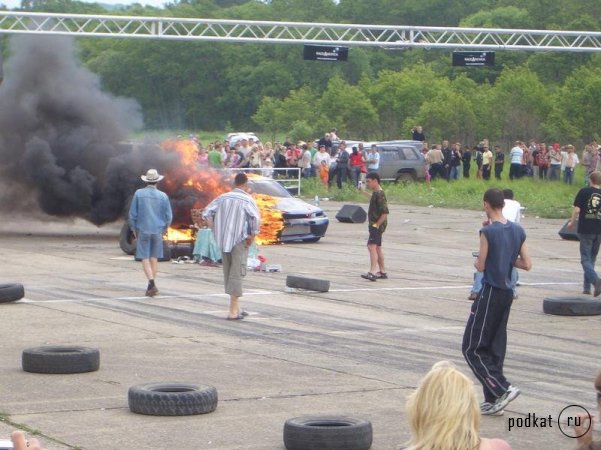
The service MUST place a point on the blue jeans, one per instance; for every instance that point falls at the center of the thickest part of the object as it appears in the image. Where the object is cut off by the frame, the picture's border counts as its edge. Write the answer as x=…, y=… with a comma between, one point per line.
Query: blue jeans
x=568, y=175
x=554, y=172
x=589, y=248
x=454, y=173
x=478, y=276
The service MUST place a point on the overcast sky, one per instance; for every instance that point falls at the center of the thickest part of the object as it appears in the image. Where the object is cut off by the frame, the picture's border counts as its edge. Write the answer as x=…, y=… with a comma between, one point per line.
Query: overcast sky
x=157, y=3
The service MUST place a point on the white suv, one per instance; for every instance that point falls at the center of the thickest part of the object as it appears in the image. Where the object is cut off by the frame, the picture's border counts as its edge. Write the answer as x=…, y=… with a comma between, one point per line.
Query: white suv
x=233, y=138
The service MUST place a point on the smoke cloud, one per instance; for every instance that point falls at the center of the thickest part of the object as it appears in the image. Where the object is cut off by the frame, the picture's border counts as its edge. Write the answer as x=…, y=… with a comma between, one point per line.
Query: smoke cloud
x=60, y=134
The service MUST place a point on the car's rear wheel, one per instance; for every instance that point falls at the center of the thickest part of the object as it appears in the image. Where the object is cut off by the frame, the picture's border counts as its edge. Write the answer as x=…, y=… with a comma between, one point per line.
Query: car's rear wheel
x=127, y=241
x=405, y=177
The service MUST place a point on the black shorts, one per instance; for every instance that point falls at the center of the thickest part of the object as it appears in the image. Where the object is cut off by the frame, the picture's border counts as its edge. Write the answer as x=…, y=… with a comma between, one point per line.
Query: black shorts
x=375, y=236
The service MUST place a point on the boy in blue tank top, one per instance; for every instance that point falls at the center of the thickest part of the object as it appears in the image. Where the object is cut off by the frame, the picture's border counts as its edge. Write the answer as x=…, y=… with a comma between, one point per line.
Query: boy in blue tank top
x=502, y=247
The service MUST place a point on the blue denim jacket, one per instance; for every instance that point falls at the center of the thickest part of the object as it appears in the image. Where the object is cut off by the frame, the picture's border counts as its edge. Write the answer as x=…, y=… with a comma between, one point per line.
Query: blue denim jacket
x=150, y=211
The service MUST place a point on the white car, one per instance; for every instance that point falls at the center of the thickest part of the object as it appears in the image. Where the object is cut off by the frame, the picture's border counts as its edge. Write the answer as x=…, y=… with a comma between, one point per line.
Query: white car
x=233, y=138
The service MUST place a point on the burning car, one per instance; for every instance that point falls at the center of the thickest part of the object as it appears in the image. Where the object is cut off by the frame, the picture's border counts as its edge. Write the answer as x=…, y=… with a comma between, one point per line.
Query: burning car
x=302, y=221
x=284, y=218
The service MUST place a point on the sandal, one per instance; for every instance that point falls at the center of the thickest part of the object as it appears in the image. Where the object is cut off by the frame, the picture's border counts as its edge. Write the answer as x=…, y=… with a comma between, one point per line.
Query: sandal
x=369, y=276
x=382, y=275
x=238, y=317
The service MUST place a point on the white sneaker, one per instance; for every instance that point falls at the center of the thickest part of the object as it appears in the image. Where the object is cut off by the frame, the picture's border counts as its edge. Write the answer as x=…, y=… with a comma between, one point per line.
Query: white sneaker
x=503, y=401
x=486, y=409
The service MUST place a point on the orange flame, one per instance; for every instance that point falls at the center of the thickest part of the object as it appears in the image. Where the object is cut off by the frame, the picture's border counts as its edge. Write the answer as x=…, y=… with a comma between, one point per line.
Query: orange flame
x=272, y=220
x=192, y=187
x=175, y=235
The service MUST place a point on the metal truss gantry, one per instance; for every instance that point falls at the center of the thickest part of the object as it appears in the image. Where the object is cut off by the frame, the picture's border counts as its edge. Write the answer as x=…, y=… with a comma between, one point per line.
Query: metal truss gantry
x=384, y=36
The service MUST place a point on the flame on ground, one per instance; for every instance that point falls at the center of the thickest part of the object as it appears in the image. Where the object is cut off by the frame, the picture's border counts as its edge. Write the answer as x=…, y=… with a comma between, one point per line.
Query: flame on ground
x=175, y=235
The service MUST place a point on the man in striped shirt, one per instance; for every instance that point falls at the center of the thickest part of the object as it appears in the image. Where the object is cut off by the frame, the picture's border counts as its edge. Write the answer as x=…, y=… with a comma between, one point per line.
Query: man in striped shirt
x=235, y=219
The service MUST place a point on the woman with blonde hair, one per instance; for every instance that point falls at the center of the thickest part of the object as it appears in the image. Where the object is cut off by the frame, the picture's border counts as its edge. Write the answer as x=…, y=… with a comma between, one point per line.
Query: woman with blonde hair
x=444, y=414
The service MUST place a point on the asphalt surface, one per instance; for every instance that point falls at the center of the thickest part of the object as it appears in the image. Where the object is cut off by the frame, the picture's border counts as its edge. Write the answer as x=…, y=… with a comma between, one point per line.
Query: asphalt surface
x=357, y=350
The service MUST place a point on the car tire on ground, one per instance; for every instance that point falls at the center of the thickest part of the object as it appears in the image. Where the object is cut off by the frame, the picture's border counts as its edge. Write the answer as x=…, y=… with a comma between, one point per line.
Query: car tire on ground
x=60, y=359
x=172, y=399
x=127, y=242
x=11, y=292
x=572, y=306
x=311, y=284
x=327, y=432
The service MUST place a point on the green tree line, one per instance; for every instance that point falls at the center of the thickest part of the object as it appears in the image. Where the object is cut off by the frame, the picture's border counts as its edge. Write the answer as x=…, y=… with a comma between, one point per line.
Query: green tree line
x=377, y=94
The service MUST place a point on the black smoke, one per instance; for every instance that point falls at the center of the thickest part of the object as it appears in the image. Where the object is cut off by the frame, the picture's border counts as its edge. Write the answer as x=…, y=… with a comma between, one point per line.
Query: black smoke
x=60, y=136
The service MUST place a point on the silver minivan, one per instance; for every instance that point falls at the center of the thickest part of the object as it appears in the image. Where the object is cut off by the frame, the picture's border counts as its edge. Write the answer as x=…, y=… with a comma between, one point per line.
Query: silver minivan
x=400, y=160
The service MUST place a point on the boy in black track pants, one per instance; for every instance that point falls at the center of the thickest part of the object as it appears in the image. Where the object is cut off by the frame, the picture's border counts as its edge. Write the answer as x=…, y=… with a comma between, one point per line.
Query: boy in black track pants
x=502, y=246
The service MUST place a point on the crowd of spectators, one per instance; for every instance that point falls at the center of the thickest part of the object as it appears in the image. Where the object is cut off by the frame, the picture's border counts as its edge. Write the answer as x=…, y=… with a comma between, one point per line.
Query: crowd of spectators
x=537, y=160
x=330, y=159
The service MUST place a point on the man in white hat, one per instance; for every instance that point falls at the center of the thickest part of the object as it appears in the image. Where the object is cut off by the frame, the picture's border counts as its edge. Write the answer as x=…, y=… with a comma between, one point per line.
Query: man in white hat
x=149, y=217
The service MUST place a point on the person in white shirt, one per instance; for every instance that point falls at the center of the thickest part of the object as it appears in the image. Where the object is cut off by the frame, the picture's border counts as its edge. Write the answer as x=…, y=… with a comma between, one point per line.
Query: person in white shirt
x=512, y=210
x=373, y=159
x=569, y=162
x=321, y=155
x=515, y=156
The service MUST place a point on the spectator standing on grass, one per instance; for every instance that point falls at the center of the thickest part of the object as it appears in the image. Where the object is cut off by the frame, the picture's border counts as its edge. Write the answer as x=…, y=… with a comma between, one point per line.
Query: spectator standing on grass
x=455, y=160
x=499, y=162
x=235, y=220
x=487, y=159
x=443, y=413
x=373, y=159
x=447, y=156
x=327, y=141
x=313, y=150
x=293, y=154
x=434, y=158
x=377, y=216
x=357, y=163
x=321, y=155
x=215, y=158
x=255, y=158
x=342, y=165
x=555, y=158
x=515, y=156
x=478, y=157
x=570, y=160
x=425, y=151
x=466, y=158
x=324, y=173
x=542, y=160
x=305, y=162
x=502, y=246
x=594, y=164
x=587, y=209
x=534, y=150
x=149, y=217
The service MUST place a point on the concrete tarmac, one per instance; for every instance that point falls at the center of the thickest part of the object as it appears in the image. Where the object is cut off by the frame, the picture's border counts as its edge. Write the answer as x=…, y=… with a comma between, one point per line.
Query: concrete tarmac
x=357, y=350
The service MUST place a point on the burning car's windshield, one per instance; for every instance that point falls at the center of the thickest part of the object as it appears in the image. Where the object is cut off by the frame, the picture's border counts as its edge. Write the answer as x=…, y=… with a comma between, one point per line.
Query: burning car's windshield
x=268, y=187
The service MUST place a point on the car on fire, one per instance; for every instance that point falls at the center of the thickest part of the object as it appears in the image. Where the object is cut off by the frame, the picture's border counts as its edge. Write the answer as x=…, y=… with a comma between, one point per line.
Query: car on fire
x=302, y=222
